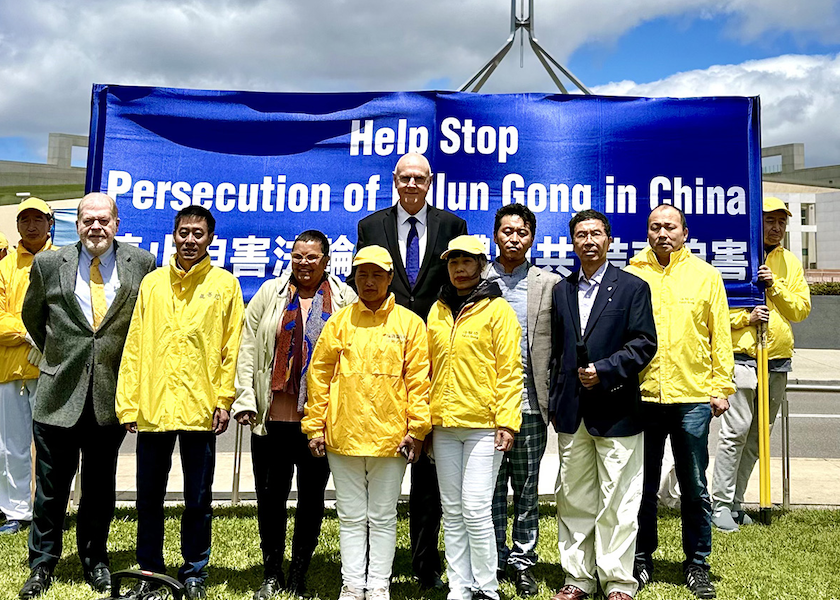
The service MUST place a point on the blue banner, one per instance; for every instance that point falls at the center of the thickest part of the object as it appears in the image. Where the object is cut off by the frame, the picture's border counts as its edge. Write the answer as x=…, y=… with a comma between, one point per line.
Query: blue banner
x=270, y=165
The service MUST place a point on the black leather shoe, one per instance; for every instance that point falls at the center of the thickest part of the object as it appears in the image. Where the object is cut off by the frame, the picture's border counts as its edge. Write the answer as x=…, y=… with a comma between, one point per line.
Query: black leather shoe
x=195, y=589
x=526, y=585
x=39, y=582
x=271, y=586
x=434, y=583
x=501, y=575
x=99, y=578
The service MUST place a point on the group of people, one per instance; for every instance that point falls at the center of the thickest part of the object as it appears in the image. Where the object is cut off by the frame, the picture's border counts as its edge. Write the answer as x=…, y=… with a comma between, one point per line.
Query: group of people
x=427, y=356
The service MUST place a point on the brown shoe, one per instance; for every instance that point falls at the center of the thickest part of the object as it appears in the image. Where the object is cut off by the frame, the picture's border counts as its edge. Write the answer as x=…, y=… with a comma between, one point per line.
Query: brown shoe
x=570, y=592
x=619, y=596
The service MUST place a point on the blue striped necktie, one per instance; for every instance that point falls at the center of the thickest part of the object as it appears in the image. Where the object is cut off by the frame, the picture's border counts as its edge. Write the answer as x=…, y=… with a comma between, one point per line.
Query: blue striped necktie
x=412, y=252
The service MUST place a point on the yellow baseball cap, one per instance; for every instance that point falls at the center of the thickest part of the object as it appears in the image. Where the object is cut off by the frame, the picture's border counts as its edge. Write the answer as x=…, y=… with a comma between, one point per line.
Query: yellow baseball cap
x=4, y=243
x=35, y=204
x=772, y=204
x=465, y=243
x=374, y=255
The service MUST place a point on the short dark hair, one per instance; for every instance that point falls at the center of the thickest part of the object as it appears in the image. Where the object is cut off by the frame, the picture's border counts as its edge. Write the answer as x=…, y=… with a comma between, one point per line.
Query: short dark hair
x=587, y=215
x=313, y=235
x=676, y=208
x=199, y=212
x=517, y=210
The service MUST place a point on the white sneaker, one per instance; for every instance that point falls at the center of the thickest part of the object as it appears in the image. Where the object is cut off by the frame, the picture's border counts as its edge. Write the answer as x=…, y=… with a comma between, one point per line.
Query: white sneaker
x=723, y=521
x=378, y=594
x=348, y=593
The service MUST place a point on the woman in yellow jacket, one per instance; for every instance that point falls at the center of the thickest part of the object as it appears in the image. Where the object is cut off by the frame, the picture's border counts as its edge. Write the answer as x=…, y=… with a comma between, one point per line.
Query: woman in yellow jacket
x=476, y=394
x=368, y=411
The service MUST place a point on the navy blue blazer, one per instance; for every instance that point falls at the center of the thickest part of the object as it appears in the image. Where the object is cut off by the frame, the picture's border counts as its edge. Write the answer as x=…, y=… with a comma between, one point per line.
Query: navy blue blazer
x=620, y=338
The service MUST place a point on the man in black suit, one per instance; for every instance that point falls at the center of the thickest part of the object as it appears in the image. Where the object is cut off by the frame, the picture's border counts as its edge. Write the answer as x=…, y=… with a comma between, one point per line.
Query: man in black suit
x=603, y=336
x=416, y=234
x=77, y=310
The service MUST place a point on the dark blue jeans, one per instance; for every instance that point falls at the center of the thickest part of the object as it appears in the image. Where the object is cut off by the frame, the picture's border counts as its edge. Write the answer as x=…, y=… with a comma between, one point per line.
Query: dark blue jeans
x=688, y=426
x=154, y=460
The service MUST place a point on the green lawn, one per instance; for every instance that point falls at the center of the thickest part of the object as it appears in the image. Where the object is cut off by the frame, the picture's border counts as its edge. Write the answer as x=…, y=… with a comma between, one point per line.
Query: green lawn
x=798, y=557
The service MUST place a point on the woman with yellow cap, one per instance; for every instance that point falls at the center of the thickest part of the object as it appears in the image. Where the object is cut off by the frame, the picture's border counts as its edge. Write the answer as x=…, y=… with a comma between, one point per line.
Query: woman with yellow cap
x=475, y=404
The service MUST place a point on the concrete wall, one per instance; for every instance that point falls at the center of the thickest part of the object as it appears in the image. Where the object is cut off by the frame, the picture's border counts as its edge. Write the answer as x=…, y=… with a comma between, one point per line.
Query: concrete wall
x=820, y=329
x=828, y=222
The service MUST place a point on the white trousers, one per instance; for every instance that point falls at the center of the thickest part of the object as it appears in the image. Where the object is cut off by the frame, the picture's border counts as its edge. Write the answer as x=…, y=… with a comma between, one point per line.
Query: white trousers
x=467, y=466
x=599, y=491
x=16, y=401
x=737, y=448
x=366, y=492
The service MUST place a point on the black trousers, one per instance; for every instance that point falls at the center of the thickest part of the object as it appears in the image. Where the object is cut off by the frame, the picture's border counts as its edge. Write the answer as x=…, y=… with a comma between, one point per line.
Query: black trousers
x=424, y=520
x=57, y=456
x=275, y=455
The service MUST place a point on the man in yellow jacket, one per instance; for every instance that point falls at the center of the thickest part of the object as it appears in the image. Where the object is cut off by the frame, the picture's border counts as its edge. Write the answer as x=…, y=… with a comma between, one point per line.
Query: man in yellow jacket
x=176, y=381
x=685, y=384
x=19, y=360
x=788, y=300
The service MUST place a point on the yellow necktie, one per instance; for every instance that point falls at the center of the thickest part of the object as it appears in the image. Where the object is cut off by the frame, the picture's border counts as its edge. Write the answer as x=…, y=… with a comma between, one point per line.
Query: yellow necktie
x=97, y=293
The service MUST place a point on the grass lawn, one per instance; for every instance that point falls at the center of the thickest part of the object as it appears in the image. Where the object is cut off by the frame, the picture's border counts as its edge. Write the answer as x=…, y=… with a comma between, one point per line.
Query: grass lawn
x=798, y=557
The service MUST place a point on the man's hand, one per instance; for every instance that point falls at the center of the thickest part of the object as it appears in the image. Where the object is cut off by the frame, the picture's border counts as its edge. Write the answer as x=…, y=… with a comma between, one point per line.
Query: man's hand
x=221, y=417
x=246, y=418
x=317, y=446
x=410, y=448
x=504, y=439
x=29, y=339
x=131, y=427
x=759, y=313
x=719, y=405
x=765, y=275
x=588, y=376
x=34, y=356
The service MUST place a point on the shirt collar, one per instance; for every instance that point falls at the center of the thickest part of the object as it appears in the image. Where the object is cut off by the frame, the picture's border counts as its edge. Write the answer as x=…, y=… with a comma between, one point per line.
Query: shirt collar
x=597, y=276
x=517, y=270
x=402, y=214
x=104, y=259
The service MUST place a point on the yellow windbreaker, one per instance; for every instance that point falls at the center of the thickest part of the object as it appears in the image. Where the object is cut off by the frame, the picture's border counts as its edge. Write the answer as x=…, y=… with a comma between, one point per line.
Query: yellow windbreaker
x=694, y=359
x=476, y=365
x=14, y=281
x=789, y=299
x=179, y=360
x=368, y=381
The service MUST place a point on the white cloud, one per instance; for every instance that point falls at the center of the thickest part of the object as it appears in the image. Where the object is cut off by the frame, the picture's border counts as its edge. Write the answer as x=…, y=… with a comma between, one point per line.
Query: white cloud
x=52, y=52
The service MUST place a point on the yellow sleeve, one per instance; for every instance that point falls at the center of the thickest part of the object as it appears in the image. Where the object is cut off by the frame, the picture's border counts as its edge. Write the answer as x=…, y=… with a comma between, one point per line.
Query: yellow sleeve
x=506, y=336
x=231, y=335
x=416, y=377
x=319, y=376
x=739, y=318
x=128, y=381
x=723, y=361
x=12, y=330
x=792, y=296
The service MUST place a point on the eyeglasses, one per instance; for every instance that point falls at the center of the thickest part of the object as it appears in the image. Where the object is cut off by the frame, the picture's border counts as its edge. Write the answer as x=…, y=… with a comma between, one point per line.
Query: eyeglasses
x=418, y=179
x=309, y=259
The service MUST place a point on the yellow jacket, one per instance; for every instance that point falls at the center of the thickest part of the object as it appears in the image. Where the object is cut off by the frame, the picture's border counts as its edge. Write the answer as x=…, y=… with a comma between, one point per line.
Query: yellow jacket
x=789, y=299
x=476, y=363
x=179, y=360
x=368, y=381
x=14, y=281
x=694, y=359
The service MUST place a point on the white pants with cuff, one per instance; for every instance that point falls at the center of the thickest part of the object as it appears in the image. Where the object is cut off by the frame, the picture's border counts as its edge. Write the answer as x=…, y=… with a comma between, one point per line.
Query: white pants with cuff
x=467, y=466
x=599, y=491
x=366, y=492
x=16, y=401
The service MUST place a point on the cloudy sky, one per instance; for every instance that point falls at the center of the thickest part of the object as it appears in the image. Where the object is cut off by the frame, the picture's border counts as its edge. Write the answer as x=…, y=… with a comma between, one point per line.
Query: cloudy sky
x=786, y=51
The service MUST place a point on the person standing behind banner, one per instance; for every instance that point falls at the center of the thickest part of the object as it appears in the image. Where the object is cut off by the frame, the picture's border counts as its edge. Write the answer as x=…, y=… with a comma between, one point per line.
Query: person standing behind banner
x=19, y=358
x=528, y=290
x=476, y=405
x=788, y=300
x=283, y=322
x=683, y=387
x=368, y=411
x=415, y=234
x=176, y=383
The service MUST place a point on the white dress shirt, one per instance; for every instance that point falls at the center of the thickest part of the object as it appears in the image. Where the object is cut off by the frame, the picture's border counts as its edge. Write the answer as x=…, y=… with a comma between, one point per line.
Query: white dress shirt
x=403, y=227
x=110, y=279
x=587, y=291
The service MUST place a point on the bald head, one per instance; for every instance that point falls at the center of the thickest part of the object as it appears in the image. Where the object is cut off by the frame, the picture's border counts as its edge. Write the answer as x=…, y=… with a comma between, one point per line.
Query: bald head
x=412, y=178
x=98, y=198
x=667, y=231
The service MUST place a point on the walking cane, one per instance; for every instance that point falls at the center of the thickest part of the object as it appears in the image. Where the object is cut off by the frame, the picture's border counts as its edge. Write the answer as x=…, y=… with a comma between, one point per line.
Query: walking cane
x=763, y=401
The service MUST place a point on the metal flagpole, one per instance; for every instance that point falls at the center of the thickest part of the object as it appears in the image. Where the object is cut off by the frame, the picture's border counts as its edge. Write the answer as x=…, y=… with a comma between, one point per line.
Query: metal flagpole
x=522, y=24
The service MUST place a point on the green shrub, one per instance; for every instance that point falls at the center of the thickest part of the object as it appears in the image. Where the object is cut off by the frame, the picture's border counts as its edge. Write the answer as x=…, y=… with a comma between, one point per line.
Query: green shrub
x=828, y=288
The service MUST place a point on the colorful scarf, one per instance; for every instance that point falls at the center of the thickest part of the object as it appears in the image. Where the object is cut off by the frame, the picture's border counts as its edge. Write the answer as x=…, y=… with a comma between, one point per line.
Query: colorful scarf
x=289, y=375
